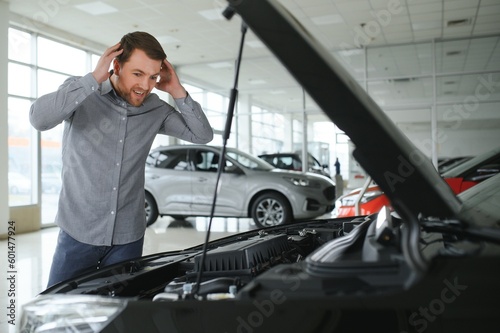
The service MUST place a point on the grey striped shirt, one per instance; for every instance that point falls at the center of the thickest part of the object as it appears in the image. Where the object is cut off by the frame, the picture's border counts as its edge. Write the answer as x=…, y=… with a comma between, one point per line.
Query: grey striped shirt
x=104, y=149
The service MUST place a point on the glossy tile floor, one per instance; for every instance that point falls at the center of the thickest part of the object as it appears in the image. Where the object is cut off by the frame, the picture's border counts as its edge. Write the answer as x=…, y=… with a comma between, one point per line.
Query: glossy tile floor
x=34, y=254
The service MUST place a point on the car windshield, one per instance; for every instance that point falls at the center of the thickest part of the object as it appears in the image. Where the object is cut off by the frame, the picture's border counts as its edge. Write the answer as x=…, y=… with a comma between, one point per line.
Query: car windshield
x=248, y=161
x=482, y=201
x=463, y=167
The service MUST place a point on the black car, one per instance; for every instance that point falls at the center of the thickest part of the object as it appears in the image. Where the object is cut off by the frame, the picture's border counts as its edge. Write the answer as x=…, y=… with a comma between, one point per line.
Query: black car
x=431, y=265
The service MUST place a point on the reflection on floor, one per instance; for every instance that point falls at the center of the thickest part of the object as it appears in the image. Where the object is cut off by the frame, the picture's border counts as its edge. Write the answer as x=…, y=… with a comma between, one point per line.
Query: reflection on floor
x=34, y=253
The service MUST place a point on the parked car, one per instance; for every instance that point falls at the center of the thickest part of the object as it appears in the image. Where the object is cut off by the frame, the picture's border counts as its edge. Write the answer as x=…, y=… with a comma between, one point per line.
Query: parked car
x=431, y=265
x=18, y=183
x=293, y=161
x=371, y=202
x=180, y=182
x=473, y=171
x=469, y=172
x=446, y=163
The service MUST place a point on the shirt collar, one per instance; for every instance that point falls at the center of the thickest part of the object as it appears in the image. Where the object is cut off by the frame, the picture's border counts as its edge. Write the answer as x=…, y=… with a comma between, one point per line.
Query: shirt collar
x=106, y=87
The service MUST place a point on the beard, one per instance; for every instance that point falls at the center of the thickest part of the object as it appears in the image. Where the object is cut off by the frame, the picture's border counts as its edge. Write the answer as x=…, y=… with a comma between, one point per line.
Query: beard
x=133, y=96
x=136, y=97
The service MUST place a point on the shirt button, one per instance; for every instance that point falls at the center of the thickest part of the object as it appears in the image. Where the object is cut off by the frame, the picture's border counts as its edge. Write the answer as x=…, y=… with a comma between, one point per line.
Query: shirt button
x=93, y=88
x=117, y=164
x=121, y=140
x=123, y=118
x=112, y=212
x=76, y=102
x=114, y=188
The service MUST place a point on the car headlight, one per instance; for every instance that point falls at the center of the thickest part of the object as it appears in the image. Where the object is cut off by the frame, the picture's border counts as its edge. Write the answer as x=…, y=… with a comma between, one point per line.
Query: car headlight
x=298, y=181
x=62, y=313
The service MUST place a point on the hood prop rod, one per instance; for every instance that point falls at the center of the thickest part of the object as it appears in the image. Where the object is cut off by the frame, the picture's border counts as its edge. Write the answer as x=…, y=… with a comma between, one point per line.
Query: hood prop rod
x=228, y=13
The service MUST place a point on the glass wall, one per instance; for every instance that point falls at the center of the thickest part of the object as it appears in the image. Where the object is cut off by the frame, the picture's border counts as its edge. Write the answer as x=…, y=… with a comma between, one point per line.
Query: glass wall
x=37, y=65
x=268, y=131
x=21, y=139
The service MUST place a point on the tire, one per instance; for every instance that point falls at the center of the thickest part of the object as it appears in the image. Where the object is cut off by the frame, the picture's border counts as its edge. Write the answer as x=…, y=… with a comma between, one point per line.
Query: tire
x=271, y=209
x=151, y=209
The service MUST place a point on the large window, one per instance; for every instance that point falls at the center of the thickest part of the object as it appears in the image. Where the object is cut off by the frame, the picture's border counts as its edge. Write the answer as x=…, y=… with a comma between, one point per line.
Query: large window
x=21, y=139
x=268, y=131
x=37, y=65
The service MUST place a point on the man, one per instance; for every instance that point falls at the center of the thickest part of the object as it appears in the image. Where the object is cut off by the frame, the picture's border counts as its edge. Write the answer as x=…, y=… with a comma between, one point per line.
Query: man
x=111, y=119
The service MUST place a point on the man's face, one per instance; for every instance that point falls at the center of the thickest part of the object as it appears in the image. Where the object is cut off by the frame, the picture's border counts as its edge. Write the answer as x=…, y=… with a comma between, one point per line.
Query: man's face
x=136, y=77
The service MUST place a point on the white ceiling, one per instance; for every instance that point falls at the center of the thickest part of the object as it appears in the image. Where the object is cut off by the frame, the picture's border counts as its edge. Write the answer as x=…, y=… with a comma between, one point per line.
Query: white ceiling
x=203, y=45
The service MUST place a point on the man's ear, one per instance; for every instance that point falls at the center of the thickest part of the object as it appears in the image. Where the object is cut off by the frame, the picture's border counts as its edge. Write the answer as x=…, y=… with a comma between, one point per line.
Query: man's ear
x=116, y=67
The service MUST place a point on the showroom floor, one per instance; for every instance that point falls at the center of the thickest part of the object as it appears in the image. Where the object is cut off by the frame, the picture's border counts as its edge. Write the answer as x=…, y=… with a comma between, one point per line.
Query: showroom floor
x=34, y=251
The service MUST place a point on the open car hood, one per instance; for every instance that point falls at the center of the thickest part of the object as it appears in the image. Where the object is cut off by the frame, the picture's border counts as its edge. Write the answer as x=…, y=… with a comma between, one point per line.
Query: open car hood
x=403, y=172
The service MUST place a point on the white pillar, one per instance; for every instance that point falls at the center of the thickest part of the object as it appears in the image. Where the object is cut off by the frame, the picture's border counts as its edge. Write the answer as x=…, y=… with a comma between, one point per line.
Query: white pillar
x=4, y=151
x=243, y=122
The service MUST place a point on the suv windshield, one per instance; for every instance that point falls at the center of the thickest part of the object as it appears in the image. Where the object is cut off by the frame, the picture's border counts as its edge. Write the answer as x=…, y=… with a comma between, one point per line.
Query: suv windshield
x=249, y=161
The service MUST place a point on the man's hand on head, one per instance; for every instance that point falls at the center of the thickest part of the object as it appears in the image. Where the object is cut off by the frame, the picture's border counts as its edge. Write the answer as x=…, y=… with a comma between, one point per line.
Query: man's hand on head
x=169, y=81
x=101, y=72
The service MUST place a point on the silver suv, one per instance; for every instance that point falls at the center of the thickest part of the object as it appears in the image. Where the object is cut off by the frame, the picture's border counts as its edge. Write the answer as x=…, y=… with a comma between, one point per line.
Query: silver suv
x=180, y=182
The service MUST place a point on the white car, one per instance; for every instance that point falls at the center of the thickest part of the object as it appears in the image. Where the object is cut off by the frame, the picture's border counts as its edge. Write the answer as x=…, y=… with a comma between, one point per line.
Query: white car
x=19, y=183
x=180, y=182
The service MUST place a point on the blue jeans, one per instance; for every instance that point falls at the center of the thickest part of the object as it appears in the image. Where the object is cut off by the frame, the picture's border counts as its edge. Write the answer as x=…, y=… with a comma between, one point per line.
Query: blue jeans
x=72, y=258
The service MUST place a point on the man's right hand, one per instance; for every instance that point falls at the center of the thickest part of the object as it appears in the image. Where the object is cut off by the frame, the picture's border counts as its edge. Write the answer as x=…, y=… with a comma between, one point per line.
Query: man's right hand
x=101, y=71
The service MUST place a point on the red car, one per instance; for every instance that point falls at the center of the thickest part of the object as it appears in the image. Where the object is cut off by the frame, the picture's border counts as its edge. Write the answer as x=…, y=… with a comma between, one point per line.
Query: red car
x=460, y=178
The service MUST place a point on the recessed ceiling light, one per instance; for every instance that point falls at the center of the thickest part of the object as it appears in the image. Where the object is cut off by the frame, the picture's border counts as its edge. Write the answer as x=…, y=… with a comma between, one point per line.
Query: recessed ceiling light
x=167, y=40
x=427, y=25
x=255, y=44
x=256, y=81
x=211, y=14
x=327, y=19
x=96, y=8
x=220, y=64
x=458, y=23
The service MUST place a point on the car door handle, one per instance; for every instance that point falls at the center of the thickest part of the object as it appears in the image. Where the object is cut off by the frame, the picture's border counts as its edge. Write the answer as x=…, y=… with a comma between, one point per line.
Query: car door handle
x=202, y=179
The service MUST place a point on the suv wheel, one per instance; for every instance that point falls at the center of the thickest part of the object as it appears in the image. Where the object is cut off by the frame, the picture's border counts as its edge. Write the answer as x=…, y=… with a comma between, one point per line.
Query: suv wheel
x=270, y=209
x=151, y=209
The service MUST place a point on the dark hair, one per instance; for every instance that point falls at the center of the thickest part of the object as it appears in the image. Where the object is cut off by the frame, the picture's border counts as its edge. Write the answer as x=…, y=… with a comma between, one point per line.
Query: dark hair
x=142, y=41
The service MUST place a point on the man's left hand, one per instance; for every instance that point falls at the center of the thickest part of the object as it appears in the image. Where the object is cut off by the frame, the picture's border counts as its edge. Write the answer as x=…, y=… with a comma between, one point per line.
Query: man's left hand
x=169, y=82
